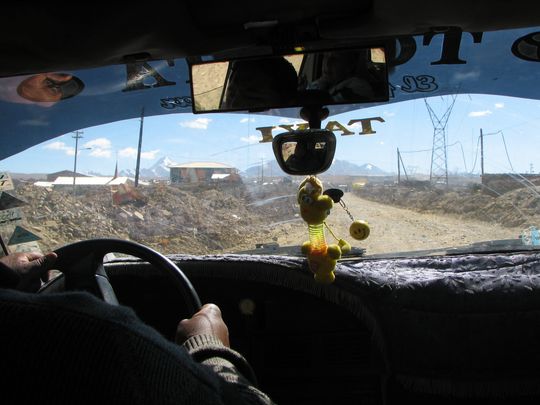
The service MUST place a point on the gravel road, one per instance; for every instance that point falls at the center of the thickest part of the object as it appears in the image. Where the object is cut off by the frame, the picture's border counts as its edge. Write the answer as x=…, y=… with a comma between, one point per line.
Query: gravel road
x=396, y=229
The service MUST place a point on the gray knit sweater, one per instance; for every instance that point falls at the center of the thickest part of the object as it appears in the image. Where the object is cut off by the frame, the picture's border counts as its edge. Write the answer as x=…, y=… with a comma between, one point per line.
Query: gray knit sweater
x=73, y=348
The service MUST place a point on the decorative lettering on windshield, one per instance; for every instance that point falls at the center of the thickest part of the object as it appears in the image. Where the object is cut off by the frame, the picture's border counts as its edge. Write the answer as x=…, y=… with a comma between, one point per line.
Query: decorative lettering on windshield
x=413, y=84
x=451, y=45
x=528, y=47
x=420, y=83
x=142, y=76
x=171, y=103
x=365, y=123
x=407, y=49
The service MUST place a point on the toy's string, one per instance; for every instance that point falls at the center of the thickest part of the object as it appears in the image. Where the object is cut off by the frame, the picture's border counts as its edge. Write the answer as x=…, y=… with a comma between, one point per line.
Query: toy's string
x=346, y=210
x=331, y=233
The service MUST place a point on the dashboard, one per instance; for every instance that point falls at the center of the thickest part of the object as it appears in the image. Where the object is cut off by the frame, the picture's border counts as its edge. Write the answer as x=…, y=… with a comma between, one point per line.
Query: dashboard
x=428, y=330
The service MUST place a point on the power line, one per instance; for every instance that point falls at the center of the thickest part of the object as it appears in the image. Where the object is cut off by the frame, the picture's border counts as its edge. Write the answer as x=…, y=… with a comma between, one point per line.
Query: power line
x=506, y=150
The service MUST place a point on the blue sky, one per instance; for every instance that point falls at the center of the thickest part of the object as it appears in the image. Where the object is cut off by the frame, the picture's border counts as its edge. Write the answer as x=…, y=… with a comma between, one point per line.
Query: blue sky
x=232, y=139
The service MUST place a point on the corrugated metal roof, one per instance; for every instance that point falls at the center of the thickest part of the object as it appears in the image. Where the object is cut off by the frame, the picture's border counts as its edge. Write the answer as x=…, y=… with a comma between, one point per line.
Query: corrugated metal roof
x=202, y=165
x=93, y=181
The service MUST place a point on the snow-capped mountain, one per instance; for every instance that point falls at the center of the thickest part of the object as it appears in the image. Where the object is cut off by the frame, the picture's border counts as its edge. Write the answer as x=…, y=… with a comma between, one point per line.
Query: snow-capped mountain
x=338, y=168
x=159, y=170
x=343, y=167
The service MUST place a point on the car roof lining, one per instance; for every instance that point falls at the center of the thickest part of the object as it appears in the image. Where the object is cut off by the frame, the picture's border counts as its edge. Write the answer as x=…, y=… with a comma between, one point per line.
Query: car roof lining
x=39, y=38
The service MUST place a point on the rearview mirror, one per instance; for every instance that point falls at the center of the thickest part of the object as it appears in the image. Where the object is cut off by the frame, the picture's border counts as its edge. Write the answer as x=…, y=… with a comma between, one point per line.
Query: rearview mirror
x=338, y=77
x=304, y=152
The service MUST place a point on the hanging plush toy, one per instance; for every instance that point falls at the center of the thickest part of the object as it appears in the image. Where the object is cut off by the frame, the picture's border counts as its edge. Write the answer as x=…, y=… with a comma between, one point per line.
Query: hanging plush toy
x=314, y=208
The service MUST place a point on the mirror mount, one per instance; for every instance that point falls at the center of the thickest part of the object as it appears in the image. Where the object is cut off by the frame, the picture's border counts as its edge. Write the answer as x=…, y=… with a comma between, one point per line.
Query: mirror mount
x=314, y=114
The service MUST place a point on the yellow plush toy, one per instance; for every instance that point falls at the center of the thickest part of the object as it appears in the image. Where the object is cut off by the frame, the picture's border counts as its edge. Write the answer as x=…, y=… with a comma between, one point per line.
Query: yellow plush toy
x=314, y=208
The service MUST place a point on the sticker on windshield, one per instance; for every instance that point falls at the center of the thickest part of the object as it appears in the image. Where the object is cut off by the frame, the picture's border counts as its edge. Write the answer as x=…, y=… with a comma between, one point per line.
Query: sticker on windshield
x=171, y=103
x=528, y=47
x=50, y=87
x=6, y=183
x=11, y=216
x=8, y=201
x=21, y=235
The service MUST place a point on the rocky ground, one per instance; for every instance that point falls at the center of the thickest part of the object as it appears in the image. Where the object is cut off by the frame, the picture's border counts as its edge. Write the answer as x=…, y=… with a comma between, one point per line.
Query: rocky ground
x=172, y=219
x=517, y=208
x=218, y=218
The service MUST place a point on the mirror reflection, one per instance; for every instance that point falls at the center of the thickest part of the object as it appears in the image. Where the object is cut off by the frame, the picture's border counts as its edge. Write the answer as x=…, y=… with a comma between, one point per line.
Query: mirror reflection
x=338, y=77
x=304, y=152
x=309, y=156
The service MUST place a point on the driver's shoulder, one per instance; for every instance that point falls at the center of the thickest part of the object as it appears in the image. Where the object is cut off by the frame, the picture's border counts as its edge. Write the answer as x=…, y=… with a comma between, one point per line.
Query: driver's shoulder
x=77, y=304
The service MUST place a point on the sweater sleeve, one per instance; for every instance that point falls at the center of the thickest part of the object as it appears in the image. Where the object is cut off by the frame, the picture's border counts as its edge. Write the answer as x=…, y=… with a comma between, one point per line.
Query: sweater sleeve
x=111, y=348
x=230, y=365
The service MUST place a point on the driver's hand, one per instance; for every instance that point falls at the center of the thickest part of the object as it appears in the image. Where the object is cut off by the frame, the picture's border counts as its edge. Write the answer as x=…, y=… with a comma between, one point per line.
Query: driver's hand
x=29, y=266
x=207, y=321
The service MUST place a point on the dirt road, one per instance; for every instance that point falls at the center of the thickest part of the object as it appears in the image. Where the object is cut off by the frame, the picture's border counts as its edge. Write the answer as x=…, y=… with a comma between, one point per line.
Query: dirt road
x=397, y=229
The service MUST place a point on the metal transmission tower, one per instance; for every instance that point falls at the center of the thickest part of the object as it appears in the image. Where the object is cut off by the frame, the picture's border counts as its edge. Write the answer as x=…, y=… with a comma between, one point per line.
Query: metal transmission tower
x=439, y=160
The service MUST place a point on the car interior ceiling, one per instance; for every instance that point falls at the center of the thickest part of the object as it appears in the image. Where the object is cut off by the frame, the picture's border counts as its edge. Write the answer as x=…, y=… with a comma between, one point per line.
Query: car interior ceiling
x=305, y=344
x=185, y=29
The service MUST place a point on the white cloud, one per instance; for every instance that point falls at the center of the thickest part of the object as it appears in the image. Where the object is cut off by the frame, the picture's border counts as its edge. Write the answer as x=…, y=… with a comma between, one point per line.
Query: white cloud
x=128, y=152
x=244, y=120
x=150, y=154
x=197, y=123
x=68, y=150
x=389, y=113
x=480, y=113
x=499, y=105
x=101, y=147
x=97, y=152
x=381, y=143
x=251, y=139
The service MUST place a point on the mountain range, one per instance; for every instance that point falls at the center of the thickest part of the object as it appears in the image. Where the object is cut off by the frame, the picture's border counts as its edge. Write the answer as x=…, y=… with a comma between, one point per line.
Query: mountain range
x=338, y=168
x=160, y=170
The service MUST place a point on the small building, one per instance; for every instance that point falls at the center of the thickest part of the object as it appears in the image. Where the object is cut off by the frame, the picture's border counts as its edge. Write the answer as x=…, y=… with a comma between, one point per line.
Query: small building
x=87, y=181
x=64, y=173
x=196, y=172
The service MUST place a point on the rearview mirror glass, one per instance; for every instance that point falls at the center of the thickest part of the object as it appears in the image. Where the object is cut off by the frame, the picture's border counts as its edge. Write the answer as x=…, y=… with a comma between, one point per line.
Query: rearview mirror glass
x=325, y=78
x=304, y=152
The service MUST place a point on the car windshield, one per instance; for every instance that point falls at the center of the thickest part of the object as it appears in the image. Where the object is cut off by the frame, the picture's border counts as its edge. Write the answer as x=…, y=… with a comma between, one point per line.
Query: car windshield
x=450, y=161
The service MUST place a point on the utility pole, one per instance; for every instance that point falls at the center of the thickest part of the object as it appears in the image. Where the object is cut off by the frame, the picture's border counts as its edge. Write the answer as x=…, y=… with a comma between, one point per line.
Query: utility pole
x=481, y=156
x=400, y=164
x=137, y=167
x=398, y=168
x=77, y=136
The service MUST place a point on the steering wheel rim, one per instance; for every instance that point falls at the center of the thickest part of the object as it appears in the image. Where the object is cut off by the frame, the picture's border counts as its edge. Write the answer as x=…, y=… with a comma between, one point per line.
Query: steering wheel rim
x=82, y=266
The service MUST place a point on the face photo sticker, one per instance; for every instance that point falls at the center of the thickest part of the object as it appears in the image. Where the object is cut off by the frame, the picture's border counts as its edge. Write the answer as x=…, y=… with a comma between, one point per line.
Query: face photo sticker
x=50, y=87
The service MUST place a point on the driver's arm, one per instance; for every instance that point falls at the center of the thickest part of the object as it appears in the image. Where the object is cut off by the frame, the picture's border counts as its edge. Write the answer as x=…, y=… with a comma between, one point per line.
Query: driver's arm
x=206, y=337
x=22, y=271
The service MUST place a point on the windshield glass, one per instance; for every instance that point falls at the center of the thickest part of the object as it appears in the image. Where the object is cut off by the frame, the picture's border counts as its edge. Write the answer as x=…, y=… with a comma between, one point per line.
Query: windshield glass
x=440, y=166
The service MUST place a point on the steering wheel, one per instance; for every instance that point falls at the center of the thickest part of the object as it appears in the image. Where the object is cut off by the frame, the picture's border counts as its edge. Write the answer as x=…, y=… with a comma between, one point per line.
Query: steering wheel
x=82, y=266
